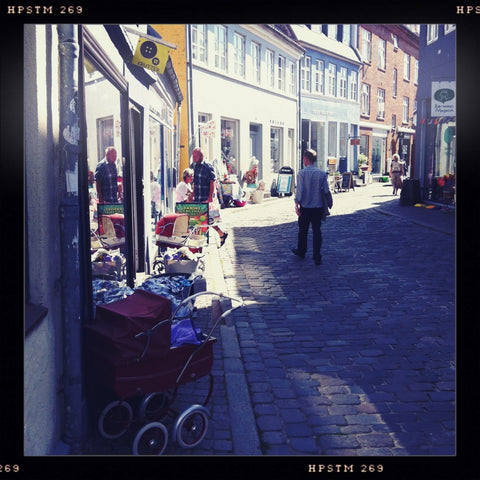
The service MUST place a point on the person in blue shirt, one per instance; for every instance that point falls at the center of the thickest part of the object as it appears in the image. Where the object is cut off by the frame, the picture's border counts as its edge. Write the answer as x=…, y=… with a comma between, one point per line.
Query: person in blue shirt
x=312, y=200
x=204, y=188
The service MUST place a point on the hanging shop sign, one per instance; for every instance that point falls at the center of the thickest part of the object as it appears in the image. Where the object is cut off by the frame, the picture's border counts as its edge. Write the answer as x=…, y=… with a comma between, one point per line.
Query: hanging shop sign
x=151, y=55
x=443, y=99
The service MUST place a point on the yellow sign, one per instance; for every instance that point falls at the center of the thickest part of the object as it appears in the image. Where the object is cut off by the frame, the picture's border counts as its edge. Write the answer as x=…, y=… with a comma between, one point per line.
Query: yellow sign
x=151, y=55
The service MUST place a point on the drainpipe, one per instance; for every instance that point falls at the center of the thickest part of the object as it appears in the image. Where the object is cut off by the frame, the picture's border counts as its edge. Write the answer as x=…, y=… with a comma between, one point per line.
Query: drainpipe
x=191, y=121
x=68, y=50
x=300, y=123
x=177, y=146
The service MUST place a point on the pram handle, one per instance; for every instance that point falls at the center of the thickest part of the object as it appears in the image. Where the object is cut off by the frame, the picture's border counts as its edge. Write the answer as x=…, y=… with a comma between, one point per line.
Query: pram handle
x=148, y=333
x=195, y=295
x=207, y=337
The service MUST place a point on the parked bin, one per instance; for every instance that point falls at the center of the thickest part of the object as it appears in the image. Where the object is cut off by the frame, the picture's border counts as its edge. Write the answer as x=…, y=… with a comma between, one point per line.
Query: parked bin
x=410, y=194
x=285, y=181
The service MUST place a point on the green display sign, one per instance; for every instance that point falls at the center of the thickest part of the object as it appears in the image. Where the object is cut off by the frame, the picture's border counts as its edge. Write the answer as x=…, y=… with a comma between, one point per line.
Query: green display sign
x=198, y=215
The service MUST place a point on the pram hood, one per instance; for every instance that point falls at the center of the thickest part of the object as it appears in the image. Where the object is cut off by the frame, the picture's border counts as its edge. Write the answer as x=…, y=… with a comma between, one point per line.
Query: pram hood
x=117, y=323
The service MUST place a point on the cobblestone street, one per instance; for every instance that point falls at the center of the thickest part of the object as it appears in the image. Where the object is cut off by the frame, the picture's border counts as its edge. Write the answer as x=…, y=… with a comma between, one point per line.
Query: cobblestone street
x=356, y=356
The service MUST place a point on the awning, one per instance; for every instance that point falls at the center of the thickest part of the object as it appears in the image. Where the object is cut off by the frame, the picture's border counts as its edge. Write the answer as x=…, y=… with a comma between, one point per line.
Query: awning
x=405, y=130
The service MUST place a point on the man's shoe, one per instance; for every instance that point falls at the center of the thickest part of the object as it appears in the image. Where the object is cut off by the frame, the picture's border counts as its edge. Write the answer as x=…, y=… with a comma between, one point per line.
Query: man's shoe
x=297, y=253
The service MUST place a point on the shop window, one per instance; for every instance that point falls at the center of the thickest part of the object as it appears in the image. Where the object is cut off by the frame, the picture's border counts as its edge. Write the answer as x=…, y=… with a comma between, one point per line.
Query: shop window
x=343, y=139
x=229, y=145
x=364, y=145
x=332, y=139
x=105, y=161
x=275, y=149
x=206, y=133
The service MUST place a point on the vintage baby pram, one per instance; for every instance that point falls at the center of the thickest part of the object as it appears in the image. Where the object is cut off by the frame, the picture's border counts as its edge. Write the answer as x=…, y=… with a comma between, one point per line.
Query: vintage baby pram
x=173, y=231
x=138, y=354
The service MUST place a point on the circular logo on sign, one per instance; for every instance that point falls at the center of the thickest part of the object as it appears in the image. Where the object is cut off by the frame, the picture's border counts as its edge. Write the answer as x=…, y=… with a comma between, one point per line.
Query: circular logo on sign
x=148, y=49
x=155, y=61
x=444, y=95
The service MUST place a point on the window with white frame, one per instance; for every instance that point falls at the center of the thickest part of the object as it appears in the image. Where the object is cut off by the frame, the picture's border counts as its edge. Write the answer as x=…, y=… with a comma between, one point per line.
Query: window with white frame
x=332, y=31
x=415, y=78
x=220, y=47
x=432, y=33
x=239, y=54
x=269, y=56
x=381, y=53
x=406, y=105
x=346, y=34
x=256, y=62
x=406, y=66
x=448, y=27
x=306, y=74
x=353, y=86
x=381, y=103
x=366, y=45
x=395, y=83
x=281, y=73
x=332, y=79
x=199, y=43
x=365, y=100
x=395, y=42
x=293, y=78
x=319, y=76
x=342, y=83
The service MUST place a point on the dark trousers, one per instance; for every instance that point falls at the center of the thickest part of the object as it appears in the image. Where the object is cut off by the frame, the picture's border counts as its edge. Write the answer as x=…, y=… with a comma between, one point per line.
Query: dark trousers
x=310, y=216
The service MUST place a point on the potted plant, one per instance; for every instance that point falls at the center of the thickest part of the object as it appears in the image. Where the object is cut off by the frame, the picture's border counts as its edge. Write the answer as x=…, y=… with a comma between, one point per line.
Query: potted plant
x=363, y=162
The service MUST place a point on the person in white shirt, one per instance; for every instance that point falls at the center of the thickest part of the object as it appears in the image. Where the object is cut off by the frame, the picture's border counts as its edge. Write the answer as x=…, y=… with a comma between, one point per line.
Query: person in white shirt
x=184, y=191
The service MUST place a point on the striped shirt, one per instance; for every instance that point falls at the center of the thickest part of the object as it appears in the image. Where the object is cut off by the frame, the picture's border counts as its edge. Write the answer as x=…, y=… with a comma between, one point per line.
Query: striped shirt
x=310, y=182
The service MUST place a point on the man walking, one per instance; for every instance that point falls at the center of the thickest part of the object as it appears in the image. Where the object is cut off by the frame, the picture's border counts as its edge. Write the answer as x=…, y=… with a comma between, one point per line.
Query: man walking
x=312, y=200
x=204, y=189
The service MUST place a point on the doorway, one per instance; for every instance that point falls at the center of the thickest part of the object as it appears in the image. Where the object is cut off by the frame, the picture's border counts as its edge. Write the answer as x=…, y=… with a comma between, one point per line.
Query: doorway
x=256, y=145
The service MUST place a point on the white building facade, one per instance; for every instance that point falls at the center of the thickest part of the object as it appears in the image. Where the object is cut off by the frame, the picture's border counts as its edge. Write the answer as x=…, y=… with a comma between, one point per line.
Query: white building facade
x=329, y=79
x=245, y=101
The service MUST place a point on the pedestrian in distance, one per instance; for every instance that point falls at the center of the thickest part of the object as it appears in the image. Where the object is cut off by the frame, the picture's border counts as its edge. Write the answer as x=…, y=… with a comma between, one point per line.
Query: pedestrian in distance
x=312, y=201
x=106, y=177
x=396, y=172
x=204, y=188
x=184, y=190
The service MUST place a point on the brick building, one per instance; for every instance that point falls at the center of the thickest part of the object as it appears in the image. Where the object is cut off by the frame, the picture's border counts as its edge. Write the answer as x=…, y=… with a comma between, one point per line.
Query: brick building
x=388, y=87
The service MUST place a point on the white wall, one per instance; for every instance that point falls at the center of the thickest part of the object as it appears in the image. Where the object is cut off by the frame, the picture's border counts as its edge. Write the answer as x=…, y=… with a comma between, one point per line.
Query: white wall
x=42, y=351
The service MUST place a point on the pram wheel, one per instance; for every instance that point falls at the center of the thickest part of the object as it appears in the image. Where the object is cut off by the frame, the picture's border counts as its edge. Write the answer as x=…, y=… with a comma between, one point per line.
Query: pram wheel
x=115, y=419
x=151, y=439
x=154, y=406
x=191, y=426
